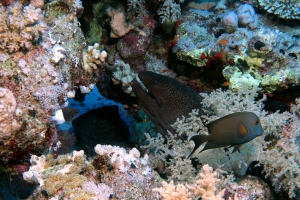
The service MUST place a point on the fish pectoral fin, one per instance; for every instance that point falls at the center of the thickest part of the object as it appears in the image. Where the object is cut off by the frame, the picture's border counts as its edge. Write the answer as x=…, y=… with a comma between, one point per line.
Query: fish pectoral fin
x=236, y=147
x=198, y=140
x=242, y=131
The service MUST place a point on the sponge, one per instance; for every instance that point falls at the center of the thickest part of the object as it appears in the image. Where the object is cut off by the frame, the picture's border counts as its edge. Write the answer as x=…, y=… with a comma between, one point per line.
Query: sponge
x=245, y=14
x=230, y=19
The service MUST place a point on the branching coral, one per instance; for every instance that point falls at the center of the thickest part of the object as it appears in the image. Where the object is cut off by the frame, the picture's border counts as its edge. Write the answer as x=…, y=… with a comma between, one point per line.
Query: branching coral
x=169, y=11
x=169, y=191
x=92, y=58
x=286, y=9
x=158, y=66
x=204, y=187
x=20, y=27
x=279, y=154
x=124, y=75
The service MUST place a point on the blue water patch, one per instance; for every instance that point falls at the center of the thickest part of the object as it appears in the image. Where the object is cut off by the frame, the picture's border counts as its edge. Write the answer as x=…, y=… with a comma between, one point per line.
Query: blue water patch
x=95, y=100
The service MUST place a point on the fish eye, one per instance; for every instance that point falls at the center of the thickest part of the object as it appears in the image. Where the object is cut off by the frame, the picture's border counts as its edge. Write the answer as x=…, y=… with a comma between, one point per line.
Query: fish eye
x=256, y=122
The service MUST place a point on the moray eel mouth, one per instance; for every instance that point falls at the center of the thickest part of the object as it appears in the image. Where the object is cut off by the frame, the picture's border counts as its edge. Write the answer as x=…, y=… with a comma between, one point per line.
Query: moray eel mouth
x=164, y=99
x=147, y=88
x=141, y=89
x=141, y=84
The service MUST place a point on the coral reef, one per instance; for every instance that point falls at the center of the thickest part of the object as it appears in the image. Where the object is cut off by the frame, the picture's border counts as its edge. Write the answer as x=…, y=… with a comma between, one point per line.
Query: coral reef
x=118, y=24
x=248, y=49
x=286, y=9
x=230, y=19
x=7, y=109
x=142, y=124
x=136, y=44
x=54, y=53
x=20, y=27
x=42, y=68
x=169, y=11
x=245, y=14
x=113, y=173
x=193, y=40
x=124, y=75
x=279, y=144
x=92, y=58
x=204, y=187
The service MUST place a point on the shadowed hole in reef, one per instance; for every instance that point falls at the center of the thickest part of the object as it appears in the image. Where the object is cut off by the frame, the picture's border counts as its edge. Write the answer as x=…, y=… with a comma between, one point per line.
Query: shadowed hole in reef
x=281, y=100
x=13, y=187
x=101, y=126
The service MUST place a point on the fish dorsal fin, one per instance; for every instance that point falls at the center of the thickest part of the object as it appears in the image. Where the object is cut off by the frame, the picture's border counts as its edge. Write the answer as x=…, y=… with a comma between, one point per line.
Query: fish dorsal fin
x=214, y=123
x=242, y=131
x=211, y=125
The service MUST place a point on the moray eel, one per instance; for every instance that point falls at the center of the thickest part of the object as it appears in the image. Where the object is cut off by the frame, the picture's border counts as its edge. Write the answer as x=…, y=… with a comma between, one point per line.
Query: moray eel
x=166, y=100
x=101, y=126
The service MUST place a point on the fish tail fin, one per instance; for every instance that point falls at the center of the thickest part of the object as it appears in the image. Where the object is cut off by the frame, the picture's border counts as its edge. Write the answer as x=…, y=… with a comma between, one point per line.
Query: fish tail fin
x=54, y=120
x=198, y=140
x=50, y=119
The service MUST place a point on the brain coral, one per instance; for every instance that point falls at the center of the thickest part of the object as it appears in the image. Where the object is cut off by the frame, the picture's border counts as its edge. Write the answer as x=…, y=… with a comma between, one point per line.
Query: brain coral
x=286, y=9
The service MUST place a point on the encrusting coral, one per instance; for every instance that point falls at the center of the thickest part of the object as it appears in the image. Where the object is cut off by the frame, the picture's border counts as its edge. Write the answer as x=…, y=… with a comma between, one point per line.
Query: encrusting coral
x=113, y=173
x=20, y=27
x=8, y=106
x=251, y=51
x=41, y=64
x=119, y=26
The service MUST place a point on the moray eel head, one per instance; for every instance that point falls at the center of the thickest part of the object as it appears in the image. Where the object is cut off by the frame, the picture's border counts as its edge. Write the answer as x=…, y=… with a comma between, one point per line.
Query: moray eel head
x=164, y=99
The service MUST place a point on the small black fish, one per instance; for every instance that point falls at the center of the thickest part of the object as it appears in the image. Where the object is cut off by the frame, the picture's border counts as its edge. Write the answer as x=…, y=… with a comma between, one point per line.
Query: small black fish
x=101, y=126
x=231, y=130
x=64, y=115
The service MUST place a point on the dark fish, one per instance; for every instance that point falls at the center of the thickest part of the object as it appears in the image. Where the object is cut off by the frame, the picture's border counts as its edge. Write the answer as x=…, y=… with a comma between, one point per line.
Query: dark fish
x=64, y=115
x=166, y=100
x=101, y=126
x=231, y=130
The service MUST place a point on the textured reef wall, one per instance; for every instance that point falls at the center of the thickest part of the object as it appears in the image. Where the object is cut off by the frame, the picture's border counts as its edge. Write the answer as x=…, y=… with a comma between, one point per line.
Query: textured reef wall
x=283, y=9
x=57, y=54
x=41, y=66
x=252, y=52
